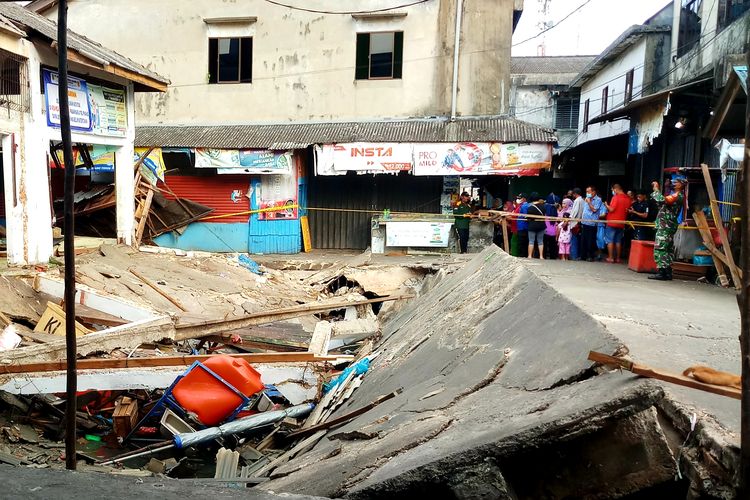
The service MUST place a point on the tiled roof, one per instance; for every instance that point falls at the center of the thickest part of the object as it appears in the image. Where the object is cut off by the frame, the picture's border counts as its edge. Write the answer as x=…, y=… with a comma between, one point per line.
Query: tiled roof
x=548, y=64
x=301, y=135
x=33, y=22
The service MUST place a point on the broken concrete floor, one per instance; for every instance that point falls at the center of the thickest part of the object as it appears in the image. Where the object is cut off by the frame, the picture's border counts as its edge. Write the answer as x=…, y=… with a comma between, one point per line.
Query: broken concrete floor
x=491, y=361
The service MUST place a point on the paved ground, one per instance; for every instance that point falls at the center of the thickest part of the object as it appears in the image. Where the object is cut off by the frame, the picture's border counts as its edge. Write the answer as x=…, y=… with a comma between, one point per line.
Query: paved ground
x=668, y=325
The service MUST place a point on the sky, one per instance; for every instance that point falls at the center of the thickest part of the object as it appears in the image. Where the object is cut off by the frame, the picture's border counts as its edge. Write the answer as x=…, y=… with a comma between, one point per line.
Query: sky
x=587, y=32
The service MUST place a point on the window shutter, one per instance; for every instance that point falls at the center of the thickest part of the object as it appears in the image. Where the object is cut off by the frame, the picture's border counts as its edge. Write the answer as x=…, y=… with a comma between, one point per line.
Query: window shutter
x=398, y=53
x=246, y=60
x=362, y=68
x=213, y=60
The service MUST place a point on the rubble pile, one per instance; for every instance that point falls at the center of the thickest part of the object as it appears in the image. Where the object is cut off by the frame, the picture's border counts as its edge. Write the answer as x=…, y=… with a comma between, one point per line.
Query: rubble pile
x=191, y=365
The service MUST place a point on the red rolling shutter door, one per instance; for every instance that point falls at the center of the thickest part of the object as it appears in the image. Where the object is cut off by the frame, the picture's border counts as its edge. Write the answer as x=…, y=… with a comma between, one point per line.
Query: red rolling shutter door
x=215, y=191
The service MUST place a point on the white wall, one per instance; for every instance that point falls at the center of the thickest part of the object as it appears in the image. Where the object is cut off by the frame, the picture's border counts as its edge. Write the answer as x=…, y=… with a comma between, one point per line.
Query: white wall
x=303, y=63
x=612, y=76
x=29, y=222
x=713, y=46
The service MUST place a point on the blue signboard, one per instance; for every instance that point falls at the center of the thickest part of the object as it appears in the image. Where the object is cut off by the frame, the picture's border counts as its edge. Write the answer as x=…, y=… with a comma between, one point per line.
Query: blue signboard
x=78, y=96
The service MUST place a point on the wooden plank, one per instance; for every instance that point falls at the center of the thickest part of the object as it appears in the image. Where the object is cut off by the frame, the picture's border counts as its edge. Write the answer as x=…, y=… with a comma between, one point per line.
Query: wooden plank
x=718, y=257
x=343, y=418
x=716, y=213
x=673, y=378
x=505, y=235
x=113, y=69
x=157, y=289
x=298, y=448
x=143, y=217
x=151, y=362
x=197, y=329
x=306, y=238
x=321, y=338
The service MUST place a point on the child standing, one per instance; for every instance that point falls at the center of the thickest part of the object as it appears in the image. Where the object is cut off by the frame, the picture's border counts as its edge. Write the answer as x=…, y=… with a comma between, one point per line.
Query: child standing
x=564, y=236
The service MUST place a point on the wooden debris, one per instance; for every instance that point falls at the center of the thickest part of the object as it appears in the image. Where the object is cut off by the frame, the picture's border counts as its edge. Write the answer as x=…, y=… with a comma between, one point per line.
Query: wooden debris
x=719, y=223
x=321, y=338
x=343, y=418
x=125, y=416
x=158, y=290
x=196, y=329
x=52, y=322
x=300, y=447
x=673, y=378
x=186, y=360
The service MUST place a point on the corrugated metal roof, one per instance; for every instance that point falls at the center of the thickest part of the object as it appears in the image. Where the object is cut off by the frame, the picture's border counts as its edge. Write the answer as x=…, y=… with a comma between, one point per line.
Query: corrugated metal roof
x=48, y=28
x=301, y=135
x=548, y=64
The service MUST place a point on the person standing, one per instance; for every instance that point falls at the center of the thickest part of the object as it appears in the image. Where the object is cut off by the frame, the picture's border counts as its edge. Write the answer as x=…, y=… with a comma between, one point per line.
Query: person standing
x=564, y=237
x=617, y=211
x=591, y=211
x=550, y=234
x=462, y=214
x=536, y=225
x=666, y=225
x=522, y=224
x=576, y=212
x=639, y=213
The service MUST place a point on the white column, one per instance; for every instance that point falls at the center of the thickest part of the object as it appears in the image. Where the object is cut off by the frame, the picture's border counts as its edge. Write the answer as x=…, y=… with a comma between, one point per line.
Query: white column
x=30, y=222
x=124, y=177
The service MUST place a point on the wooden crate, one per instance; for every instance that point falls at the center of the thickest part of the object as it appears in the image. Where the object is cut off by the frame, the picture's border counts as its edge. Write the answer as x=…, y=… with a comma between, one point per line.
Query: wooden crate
x=688, y=272
x=125, y=417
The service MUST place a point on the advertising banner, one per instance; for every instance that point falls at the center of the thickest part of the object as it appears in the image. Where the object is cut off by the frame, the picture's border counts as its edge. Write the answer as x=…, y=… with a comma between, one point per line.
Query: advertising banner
x=244, y=161
x=93, y=108
x=482, y=158
x=152, y=168
x=108, y=112
x=278, y=191
x=337, y=159
x=80, y=110
x=417, y=234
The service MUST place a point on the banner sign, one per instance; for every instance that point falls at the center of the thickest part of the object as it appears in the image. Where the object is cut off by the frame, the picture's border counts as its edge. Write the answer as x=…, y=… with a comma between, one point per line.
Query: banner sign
x=482, y=158
x=464, y=158
x=108, y=111
x=78, y=97
x=152, y=168
x=278, y=191
x=93, y=108
x=417, y=234
x=247, y=161
x=337, y=159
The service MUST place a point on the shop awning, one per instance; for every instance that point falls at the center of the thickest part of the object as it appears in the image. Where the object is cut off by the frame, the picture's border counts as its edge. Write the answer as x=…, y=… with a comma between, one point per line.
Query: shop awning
x=635, y=104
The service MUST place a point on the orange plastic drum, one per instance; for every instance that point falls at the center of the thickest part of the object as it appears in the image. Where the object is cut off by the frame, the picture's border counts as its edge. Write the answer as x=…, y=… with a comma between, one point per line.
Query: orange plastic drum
x=201, y=393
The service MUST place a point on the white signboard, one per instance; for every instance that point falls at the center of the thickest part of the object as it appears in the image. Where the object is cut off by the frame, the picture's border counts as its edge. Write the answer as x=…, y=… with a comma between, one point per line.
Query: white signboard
x=337, y=159
x=417, y=234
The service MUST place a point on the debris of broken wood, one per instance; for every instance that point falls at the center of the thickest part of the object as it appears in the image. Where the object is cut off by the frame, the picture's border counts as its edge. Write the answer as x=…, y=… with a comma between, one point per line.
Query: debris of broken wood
x=665, y=376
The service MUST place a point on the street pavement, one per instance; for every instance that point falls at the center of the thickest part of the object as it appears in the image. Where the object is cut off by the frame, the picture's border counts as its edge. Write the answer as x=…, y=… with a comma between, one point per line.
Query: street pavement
x=666, y=325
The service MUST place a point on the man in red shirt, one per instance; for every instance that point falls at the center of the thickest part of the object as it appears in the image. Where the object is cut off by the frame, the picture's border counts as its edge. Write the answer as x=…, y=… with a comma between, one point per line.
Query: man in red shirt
x=617, y=210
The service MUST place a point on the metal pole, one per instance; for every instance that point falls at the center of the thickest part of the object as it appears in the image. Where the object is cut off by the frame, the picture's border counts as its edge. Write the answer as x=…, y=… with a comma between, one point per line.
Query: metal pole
x=744, y=303
x=456, y=46
x=70, y=255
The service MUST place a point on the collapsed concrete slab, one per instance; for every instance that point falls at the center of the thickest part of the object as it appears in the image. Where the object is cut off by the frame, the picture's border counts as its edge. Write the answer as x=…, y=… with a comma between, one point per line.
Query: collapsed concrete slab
x=492, y=362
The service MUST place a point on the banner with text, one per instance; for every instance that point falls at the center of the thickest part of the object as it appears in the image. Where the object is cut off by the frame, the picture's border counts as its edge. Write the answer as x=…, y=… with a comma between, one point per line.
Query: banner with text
x=244, y=161
x=108, y=112
x=481, y=158
x=152, y=168
x=78, y=101
x=362, y=157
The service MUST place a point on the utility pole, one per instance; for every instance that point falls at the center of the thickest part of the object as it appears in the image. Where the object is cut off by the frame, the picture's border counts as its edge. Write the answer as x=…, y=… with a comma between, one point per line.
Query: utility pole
x=744, y=303
x=69, y=243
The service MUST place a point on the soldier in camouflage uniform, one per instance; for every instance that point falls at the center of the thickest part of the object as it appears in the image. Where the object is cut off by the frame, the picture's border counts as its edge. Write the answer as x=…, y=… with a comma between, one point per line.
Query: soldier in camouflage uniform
x=666, y=226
